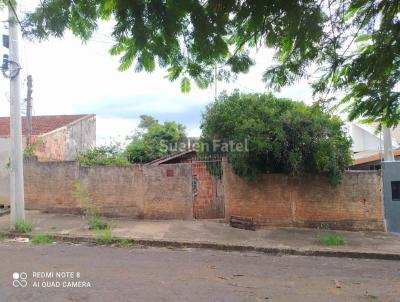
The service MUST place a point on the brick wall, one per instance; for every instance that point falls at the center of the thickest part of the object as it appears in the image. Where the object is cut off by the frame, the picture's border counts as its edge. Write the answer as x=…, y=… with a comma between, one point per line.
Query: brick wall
x=134, y=191
x=66, y=142
x=51, y=146
x=309, y=201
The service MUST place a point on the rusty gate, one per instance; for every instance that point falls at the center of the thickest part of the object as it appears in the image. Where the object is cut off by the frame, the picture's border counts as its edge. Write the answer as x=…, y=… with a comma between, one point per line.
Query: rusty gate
x=208, y=197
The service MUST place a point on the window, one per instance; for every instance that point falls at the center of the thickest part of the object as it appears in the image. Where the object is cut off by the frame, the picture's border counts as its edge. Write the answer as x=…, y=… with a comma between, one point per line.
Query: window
x=395, y=190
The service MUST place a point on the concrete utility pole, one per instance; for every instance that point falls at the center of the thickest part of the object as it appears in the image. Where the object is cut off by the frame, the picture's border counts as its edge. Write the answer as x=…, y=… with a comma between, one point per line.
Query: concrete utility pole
x=387, y=145
x=29, y=110
x=16, y=174
x=215, y=82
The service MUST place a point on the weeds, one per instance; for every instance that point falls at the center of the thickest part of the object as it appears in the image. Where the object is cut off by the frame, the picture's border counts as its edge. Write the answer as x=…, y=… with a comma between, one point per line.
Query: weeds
x=23, y=227
x=331, y=239
x=96, y=224
x=372, y=297
x=91, y=212
x=42, y=239
x=125, y=243
x=105, y=237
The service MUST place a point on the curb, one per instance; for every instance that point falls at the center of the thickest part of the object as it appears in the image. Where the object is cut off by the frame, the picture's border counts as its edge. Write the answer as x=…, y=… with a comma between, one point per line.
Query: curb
x=222, y=247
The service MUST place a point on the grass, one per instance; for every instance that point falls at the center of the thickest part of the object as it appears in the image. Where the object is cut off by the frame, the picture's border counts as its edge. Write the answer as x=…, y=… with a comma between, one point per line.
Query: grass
x=105, y=237
x=125, y=243
x=331, y=239
x=42, y=239
x=97, y=224
x=372, y=297
x=23, y=227
x=2, y=237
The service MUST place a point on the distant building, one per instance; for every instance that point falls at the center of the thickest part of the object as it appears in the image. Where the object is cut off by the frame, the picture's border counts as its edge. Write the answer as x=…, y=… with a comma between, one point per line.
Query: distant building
x=368, y=146
x=57, y=137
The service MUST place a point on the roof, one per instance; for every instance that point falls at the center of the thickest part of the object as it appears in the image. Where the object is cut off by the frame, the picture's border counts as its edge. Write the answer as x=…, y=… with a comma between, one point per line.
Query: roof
x=395, y=132
x=41, y=124
x=170, y=157
x=364, y=157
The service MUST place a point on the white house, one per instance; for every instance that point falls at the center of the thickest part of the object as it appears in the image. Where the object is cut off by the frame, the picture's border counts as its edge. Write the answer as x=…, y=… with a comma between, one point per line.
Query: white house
x=368, y=145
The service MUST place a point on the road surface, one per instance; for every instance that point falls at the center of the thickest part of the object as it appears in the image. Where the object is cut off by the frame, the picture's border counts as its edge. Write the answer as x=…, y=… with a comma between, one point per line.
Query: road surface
x=66, y=272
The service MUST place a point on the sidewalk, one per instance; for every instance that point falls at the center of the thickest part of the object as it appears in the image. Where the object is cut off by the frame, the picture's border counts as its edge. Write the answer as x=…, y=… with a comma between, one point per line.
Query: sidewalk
x=210, y=234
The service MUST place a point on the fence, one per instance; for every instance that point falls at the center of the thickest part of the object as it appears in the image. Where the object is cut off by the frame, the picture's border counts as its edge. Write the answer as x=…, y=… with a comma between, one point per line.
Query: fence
x=307, y=201
x=160, y=192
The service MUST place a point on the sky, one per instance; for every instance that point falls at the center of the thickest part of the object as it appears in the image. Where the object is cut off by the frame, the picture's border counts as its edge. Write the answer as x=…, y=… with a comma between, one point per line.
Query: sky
x=74, y=78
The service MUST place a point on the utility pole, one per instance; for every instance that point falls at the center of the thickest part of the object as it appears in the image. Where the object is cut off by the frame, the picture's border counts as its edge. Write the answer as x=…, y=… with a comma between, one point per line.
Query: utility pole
x=215, y=82
x=16, y=174
x=29, y=110
x=387, y=145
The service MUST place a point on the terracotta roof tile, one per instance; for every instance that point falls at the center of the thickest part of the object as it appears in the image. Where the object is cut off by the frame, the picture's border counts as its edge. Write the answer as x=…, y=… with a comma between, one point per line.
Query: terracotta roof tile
x=40, y=124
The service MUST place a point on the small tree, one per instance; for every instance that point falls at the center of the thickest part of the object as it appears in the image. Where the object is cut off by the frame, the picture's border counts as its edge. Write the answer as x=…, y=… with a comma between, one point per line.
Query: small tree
x=282, y=136
x=154, y=140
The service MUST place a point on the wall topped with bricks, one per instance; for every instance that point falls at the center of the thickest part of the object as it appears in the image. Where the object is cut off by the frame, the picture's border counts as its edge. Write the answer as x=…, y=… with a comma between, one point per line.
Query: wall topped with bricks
x=308, y=201
x=154, y=192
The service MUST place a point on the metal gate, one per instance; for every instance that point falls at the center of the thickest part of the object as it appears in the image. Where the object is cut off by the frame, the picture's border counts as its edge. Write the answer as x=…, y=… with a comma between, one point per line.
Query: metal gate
x=391, y=195
x=208, y=199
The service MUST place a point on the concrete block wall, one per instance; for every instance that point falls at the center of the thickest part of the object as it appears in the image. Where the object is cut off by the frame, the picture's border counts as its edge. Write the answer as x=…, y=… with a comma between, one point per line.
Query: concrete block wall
x=134, y=191
x=308, y=201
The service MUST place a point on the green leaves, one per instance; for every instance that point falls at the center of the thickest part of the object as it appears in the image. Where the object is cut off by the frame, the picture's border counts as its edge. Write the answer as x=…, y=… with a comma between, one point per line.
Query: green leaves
x=185, y=85
x=282, y=136
x=340, y=45
x=363, y=38
x=155, y=140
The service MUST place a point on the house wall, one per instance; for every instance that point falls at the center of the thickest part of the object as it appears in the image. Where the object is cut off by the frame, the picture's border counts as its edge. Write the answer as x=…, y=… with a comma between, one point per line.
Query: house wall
x=79, y=137
x=309, y=201
x=4, y=173
x=134, y=191
x=363, y=140
x=66, y=142
x=391, y=175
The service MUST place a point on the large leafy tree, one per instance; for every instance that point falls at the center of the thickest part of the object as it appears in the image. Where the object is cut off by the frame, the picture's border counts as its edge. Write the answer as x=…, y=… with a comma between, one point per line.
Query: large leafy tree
x=283, y=136
x=154, y=140
x=351, y=46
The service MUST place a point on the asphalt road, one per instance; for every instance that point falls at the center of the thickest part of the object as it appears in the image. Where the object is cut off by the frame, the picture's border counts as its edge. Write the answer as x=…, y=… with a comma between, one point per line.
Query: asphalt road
x=53, y=272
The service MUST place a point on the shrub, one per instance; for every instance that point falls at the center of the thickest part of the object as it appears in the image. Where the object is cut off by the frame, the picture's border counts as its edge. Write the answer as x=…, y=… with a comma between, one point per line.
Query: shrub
x=103, y=156
x=282, y=136
x=42, y=239
x=30, y=149
x=331, y=239
x=23, y=227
